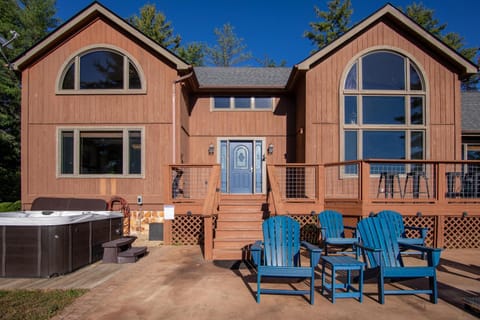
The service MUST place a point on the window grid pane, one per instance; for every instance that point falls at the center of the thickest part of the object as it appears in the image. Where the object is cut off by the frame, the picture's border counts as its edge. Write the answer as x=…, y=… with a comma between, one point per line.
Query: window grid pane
x=66, y=152
x=135, y=152
x=242, y=103
x=221, y=102
x=101, y=70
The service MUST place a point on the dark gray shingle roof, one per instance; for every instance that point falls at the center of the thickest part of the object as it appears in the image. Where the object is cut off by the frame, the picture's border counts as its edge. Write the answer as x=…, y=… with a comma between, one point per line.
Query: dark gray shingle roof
x=215, y=77
x=471, y=111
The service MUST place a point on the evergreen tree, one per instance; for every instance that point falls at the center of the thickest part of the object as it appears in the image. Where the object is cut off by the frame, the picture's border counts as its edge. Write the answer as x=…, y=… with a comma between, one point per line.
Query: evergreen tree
x=229, y=50
x=32, y=19
x=193, y=53
x=154, y=24
x=270, y=63
x=425, y=17
x=333, y=23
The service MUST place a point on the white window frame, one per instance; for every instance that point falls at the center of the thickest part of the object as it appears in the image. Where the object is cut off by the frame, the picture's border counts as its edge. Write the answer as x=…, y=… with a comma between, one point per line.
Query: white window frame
x=76, y=152
x=75, y=59
x=232, y=103
x=360, y=128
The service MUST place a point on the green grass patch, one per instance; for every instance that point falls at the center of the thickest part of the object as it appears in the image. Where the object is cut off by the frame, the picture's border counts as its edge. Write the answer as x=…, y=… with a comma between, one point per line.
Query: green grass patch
x=10, y=206
x=35, y=304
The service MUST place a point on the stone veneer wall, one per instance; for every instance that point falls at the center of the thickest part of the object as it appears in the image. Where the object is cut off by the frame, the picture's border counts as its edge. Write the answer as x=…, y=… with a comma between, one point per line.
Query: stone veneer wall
x=140, y=220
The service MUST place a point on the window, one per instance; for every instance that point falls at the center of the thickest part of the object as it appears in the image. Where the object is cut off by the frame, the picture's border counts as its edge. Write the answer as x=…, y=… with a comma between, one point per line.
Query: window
x=383, y=114
x=100, y=70
x=86, y=152
x=242, y=103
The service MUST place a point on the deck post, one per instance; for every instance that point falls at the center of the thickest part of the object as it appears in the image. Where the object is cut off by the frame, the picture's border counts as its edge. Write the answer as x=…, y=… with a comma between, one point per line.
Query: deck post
x=364, y=183
x=439, y=239
x=441, y=185
x=167, y=232
x=208, y=237
x=320, y=195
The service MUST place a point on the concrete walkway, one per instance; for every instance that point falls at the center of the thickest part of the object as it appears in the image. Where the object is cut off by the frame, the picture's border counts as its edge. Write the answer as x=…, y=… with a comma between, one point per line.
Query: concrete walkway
x=174, y=282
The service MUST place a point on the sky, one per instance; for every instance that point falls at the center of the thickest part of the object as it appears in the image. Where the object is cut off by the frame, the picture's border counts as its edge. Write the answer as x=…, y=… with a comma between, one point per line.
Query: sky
x=272, y=28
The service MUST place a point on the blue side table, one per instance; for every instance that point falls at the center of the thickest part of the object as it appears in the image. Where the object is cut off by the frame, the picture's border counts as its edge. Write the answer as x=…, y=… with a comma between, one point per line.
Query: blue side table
x=337, y=263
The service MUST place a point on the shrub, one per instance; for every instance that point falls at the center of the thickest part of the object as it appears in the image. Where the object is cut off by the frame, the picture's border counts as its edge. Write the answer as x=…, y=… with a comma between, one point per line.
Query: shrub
x=10, y=206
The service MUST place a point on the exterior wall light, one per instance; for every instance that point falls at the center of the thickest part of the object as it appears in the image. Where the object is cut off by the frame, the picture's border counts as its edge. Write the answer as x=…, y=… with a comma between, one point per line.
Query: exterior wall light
x=211, y=149
x=270, y=148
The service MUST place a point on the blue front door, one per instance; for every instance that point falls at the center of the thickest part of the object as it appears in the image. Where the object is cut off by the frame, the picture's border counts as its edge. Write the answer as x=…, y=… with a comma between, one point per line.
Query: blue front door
x=240, y=167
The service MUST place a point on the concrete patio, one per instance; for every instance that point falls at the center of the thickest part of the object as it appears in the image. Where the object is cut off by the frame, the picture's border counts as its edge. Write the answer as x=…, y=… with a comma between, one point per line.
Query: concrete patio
x=174, y=282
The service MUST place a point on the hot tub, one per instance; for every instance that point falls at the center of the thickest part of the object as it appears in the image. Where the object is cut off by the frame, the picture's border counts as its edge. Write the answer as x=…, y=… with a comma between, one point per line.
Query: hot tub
x=46, y=243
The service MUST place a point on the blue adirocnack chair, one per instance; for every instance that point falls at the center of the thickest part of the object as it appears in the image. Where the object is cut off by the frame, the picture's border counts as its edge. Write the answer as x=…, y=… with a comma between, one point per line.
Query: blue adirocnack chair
x=396, y=220
x=333, y=231
x=279, y=255
x=381, y=252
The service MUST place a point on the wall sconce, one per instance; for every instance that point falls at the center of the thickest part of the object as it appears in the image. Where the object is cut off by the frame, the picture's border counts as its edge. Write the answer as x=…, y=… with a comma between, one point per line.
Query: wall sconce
x=419, y=214
x=464, y=214
x=270, y=148
x=211, y=149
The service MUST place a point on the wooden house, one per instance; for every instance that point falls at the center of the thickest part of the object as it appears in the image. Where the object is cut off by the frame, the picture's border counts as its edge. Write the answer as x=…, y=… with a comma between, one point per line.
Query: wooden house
x=107, y=112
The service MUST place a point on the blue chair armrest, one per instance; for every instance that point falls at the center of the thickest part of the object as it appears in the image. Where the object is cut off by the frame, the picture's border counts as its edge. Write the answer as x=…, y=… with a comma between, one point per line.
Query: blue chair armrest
x=256, y=251
x=376, y=252
x=314, y=251
x=433, y=254
x=323, y=231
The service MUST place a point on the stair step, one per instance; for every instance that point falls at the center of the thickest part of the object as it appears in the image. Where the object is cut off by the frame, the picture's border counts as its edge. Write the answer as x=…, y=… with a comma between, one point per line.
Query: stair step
x=222, y=254
x=238, y=234
x=236, y=208
x=239, y=224
x=237, y=244
x=252, y=216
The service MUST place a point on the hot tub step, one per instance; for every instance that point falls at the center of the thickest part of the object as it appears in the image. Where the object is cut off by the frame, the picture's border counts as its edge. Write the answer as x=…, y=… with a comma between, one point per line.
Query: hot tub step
x=131, y=255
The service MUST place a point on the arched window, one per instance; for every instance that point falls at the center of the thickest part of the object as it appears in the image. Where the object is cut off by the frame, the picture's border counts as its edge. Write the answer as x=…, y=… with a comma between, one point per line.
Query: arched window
x=384, y=112
x=100, y=70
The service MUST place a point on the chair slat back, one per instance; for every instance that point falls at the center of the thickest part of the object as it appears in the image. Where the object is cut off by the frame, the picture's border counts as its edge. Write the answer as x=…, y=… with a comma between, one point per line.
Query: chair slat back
x=395, y=219
x=281, y=237
x=332, y=222
x=378, y=233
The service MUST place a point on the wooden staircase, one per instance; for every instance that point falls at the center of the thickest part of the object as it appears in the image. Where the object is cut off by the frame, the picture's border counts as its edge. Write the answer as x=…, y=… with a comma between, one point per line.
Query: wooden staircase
x=239, y=225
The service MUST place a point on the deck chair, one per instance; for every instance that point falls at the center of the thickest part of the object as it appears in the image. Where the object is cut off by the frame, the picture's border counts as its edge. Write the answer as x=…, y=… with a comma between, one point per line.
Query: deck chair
x=396, y=220
x=333, y=231
x=279, y=256
x=381, y=252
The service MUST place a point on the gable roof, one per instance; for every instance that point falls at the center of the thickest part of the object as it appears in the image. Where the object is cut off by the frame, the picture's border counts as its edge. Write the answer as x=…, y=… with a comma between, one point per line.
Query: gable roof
x=471, y=112
x=242, y=77
x=465, y=65
x=88, y=14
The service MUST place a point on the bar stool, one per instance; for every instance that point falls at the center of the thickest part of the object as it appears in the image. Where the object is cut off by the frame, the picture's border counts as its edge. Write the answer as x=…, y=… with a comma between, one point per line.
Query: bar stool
x=388, y=179
x=416, y=176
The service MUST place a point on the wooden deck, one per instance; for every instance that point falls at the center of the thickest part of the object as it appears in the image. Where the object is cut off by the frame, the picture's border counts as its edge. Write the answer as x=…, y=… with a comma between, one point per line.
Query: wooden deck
x=88, y=277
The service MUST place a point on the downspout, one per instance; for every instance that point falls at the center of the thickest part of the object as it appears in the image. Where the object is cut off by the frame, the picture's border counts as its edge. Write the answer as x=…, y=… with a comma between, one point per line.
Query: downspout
x=174, y=113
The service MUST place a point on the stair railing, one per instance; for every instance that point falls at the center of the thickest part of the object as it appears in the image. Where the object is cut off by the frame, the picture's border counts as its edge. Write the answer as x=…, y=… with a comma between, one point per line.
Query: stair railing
x=209, y=209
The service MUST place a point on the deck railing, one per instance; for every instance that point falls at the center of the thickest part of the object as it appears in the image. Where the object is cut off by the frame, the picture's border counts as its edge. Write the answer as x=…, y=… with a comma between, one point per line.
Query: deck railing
x=403, y=181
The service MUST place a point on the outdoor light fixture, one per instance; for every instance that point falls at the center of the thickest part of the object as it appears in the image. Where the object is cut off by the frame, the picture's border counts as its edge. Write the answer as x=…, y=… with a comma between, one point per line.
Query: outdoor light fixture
x=270, y=148
x=211, y=149
x=464, y=214
x=419, y=214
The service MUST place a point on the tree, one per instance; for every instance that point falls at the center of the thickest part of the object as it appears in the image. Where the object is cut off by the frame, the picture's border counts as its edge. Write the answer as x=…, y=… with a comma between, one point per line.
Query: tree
x=229, y=50
x=154, y=24
x=333, y=23
x=270, y=63
x=32, y=19
x=425, y=18
x=37, y=18
x=193, y=53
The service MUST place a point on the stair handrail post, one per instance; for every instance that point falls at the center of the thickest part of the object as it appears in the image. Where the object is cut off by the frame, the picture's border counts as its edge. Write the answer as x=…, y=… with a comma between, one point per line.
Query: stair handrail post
x=211, y=201
x=275, y=191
